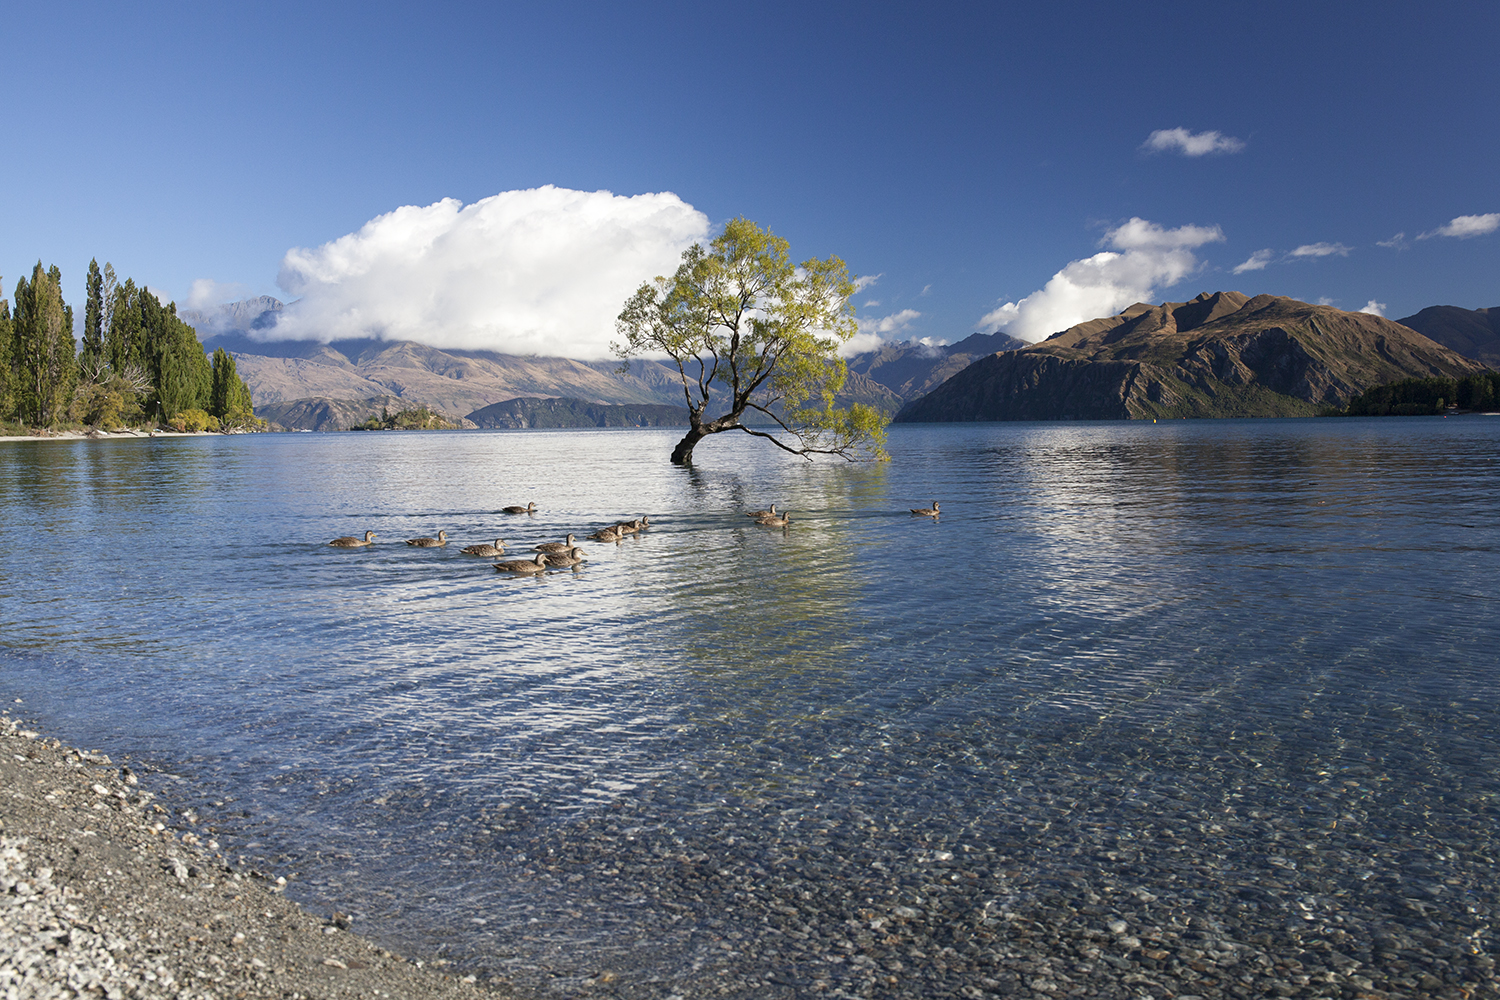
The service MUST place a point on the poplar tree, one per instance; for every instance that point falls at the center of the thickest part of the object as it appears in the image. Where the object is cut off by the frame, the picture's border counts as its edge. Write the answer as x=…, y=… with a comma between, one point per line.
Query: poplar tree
x=93, y=357
x=230, y=400
x=7, y=394
x=123, y=344
x=45, y=353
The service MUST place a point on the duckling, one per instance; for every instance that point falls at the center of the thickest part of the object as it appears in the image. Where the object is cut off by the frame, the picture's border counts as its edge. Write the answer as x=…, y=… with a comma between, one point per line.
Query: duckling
x=350, y=542
x=550, y=547
x=775, y=522
x=758, y=514
x=530, y=508
x=572, y=557
x=537, y=565
x=927, y=511
x=485, y=549
x=429, y=543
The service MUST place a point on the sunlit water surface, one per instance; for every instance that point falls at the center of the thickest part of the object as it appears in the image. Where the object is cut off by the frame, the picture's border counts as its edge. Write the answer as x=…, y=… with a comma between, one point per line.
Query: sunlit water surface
x=1111, y=628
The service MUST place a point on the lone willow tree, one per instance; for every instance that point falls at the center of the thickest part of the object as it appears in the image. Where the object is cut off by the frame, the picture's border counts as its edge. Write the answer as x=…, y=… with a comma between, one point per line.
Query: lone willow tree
x=749, y=330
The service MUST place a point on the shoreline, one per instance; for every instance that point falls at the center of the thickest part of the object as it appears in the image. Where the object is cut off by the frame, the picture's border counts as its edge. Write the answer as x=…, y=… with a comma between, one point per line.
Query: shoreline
x=98, y=435
x=103, y=892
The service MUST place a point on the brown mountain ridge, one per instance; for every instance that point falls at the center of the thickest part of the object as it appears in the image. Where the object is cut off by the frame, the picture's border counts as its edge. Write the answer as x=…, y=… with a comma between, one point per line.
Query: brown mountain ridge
x=1221, y=355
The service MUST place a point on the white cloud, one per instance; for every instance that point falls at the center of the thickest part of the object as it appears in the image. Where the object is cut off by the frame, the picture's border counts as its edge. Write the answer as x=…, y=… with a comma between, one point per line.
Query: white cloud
x=871, y=302
x=1466, y=226
x=866, y=280
x=1255, y=262
x=206, y=293
x=1373, y=308
x=1397, y=242
x=1187, y=143
x=1326, y=301
x=926, y=291
x=1320, y=250
x=1143, y=257
x=541, y=271
x=875, y=331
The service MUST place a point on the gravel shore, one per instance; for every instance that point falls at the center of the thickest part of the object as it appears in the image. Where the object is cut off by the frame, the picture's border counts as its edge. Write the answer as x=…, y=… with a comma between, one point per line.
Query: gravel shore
x=101, y=897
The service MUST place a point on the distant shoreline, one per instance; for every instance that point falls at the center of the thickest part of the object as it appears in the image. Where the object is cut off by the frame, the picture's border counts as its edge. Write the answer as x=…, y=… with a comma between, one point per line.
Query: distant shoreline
x=102, y=435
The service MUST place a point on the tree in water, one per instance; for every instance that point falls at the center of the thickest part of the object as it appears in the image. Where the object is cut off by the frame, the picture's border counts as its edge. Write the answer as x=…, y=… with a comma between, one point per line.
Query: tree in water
x=749, y=330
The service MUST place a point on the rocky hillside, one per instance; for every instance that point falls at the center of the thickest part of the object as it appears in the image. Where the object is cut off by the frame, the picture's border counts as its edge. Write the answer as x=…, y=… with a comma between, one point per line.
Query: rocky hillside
x=1220, y=355
x=1474, y=333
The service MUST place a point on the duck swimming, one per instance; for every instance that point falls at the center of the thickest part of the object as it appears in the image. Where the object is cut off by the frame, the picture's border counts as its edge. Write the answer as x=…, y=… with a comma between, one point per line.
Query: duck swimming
x=927, y=511
x=485, y=549
x=610, y=534
x=429, y=543
x=775, y=522
x=550, y=547
x=528, y=509
x=537, y=565
x=572, y=557
x=758, y=514
x=350, y=542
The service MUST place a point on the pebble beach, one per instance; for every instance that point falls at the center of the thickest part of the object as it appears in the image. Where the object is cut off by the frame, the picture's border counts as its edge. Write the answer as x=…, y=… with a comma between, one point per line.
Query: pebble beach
x=104, y=892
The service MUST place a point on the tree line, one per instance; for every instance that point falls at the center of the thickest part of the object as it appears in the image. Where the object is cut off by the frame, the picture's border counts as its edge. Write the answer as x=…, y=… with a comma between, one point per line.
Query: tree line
x=1414, y=397
x=138, y=362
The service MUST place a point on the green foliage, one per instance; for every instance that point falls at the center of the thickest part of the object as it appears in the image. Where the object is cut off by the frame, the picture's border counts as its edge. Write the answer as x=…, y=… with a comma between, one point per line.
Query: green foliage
x=229, y=397
x=138, y=359
x=194, y=421
x=7, y=393
x=123, y=333
x=1423, y=396
x=749, y=330
x=43, y=354
x=419, y=419
x=93, y=320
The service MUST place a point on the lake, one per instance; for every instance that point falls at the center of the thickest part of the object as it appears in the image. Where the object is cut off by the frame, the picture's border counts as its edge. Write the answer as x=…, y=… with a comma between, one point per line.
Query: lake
x=1212, y=704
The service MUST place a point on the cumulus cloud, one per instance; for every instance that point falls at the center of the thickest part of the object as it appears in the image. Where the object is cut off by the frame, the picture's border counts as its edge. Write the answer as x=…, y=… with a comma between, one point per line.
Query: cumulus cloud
x=1465, y=226
x=1143, y=257
x=1320, y=250
x=1180, y=140
x=875, y=331
x=1373, y=308
x=541, y=271
x=866, y=280
x=1256, y=261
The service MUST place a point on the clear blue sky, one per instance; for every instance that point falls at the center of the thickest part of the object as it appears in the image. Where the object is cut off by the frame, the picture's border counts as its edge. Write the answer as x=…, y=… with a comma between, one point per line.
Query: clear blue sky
x=965, y=153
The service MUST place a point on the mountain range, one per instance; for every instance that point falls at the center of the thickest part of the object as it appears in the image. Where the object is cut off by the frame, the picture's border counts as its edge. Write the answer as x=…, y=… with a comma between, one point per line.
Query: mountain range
x=1221, y=355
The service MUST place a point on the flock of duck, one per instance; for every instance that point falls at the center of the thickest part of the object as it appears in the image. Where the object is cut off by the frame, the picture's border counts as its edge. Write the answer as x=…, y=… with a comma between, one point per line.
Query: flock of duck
x=560, y=555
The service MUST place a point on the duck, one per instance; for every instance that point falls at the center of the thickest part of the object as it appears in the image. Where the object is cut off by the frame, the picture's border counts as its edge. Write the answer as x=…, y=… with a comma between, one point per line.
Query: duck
x=572, y=557
x=758, y=514
x=429, y=543
x=775, y=522
x=350, y=542
x=550, y=547
x=634, y=527
x=485, y=549
x=528, y=509
x=610, y=534
x=927, y=511
x=537, y=565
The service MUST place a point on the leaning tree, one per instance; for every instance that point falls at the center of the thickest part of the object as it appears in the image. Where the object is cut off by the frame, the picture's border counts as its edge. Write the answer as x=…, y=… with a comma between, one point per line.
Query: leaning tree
x=748, y=330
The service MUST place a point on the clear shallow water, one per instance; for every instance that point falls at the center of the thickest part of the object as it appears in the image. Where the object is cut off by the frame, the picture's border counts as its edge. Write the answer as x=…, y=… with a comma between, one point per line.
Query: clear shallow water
x=1212, y=658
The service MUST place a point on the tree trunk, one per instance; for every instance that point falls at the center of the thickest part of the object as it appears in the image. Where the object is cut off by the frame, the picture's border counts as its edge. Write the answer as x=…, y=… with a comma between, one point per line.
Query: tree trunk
x=683, y=453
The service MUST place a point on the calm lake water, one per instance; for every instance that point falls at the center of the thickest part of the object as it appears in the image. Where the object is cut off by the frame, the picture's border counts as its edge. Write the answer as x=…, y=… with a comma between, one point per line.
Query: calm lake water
x=1272, y=643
